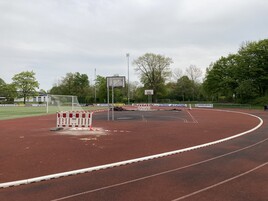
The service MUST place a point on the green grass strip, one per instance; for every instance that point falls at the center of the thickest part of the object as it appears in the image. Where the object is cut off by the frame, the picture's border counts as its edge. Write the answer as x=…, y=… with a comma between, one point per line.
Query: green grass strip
x=13, y=112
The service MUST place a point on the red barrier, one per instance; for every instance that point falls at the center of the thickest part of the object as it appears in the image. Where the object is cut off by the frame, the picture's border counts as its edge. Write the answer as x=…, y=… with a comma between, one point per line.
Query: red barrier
x=74, y=119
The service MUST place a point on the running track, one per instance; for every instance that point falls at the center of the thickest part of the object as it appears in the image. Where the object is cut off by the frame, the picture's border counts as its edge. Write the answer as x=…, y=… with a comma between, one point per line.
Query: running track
x=235, y=170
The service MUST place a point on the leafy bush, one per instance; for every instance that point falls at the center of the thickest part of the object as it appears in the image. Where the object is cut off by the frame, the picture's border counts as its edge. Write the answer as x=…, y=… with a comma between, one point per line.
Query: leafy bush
x=260, y=101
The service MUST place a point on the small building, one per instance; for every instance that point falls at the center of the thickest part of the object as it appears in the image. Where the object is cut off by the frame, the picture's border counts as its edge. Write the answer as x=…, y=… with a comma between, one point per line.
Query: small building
x=42, y=98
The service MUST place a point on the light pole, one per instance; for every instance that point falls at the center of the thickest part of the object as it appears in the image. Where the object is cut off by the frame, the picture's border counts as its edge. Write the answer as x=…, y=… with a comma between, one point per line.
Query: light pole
x=127, y=78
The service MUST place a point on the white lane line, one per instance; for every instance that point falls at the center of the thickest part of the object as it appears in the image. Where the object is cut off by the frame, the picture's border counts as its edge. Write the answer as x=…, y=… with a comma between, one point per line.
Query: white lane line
x=90, y=169
x=143, y=118
x=193, y=119
x=159, y=174
x=220, y=183
x=179, y=118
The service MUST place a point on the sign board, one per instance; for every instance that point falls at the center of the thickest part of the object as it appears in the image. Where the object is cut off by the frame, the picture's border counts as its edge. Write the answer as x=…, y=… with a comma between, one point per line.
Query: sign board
x=149, y=92
x=115, y=81
x=204, y=105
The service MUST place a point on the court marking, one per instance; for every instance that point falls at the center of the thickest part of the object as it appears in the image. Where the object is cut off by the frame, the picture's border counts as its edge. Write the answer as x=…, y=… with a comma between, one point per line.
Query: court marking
x=193, y=119
x=222, y=182
x=111, y=165
x=174, y=170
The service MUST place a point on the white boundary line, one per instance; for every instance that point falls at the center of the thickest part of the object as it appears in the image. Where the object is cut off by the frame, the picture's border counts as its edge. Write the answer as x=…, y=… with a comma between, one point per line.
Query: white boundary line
x=193, y=119
x=222, y=182
x=101, y=167
x=159, y=174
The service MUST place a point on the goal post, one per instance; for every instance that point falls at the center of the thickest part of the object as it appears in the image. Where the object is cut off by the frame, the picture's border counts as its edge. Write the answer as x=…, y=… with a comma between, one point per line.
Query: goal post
x=57, y=103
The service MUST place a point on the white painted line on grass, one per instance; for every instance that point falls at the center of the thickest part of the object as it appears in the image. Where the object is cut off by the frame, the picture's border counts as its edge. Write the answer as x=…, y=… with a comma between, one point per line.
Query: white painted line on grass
x=101, y=167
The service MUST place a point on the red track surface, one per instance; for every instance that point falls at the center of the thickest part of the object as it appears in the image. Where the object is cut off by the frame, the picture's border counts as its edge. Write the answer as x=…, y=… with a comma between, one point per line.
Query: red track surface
x=28, y=149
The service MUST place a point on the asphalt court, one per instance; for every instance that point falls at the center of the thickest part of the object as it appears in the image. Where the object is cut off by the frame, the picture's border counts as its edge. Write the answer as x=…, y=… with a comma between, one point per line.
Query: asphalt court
x=157, y=115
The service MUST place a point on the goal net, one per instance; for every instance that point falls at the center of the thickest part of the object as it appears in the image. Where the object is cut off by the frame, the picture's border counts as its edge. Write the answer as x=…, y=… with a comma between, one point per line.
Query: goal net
x=57, y=103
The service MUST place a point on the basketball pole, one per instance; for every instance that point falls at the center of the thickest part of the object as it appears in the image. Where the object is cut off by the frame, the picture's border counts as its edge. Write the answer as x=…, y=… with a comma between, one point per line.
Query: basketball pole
x=112, y=100
x=127, y=78
x=108, y=101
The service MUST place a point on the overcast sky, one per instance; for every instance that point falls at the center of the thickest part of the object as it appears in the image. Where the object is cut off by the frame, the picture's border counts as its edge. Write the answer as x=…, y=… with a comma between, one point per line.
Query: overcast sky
x=54, y=37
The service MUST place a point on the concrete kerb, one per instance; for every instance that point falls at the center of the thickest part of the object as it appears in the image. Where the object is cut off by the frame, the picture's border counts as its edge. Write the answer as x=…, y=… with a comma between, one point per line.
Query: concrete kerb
x=90, y=169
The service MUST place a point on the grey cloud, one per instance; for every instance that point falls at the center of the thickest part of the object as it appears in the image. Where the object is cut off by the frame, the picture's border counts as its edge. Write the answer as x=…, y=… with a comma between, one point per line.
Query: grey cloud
x=54, y=37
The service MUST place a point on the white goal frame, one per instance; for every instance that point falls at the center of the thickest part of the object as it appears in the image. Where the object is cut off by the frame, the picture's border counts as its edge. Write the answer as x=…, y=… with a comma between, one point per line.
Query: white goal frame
x=48, y=99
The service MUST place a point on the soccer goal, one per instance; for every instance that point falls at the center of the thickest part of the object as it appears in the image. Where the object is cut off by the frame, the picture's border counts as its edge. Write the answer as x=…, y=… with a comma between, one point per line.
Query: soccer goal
x=57, y=103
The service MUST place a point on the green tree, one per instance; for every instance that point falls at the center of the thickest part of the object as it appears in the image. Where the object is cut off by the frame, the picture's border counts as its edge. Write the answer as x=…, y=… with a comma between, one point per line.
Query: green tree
x=2, y=87
x=184, y=89
x=222, y=77
x=7, y=92
x=26, y=83
x=74, y=84
x=246, y=91
x=2, y=82
x=139, y=96
x=101, y=89
x=171, y=91
x=82, y=87
x=153, y=71
x=244, y=74
x=253, y=65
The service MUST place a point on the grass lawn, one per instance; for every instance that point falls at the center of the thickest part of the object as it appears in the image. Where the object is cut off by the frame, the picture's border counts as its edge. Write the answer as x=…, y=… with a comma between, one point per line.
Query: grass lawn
x=12, y=112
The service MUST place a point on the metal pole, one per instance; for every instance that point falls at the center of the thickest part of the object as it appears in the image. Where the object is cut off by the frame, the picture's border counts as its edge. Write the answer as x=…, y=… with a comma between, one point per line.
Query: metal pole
x=72, y=103
x=95, y=92
x=108, y=101
x=127, y=78
x=112, y=100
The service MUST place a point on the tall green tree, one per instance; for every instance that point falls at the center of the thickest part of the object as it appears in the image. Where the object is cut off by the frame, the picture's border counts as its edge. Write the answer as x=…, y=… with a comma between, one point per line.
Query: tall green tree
x=74, y=84
x=254, y=65
x=185, y=89
x=153, y=69
x=243, y=75
x=83, y=90
x=222, y=77
x=26, y=83
x=101, y=89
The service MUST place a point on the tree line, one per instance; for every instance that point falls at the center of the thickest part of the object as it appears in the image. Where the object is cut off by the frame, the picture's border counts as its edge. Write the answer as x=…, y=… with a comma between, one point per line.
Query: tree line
x=239, y=78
